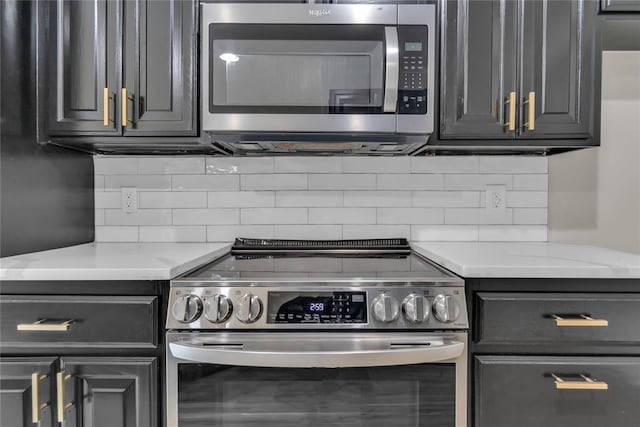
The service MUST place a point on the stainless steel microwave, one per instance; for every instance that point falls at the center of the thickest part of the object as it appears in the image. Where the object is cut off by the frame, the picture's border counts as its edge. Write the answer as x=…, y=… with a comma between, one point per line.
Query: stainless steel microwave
x=311, y=77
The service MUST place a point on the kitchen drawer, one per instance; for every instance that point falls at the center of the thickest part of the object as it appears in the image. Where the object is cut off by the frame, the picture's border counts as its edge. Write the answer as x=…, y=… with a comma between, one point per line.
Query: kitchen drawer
x=521, y=391
x=94, y=321
x=528, y=318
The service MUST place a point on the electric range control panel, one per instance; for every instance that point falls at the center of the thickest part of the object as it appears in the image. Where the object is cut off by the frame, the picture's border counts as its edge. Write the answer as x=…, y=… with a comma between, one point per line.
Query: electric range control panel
x=381, y=306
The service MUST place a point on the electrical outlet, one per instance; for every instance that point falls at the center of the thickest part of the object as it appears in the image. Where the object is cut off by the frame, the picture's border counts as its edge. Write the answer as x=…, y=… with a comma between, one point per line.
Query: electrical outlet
x=496, y=198
x=129, y=199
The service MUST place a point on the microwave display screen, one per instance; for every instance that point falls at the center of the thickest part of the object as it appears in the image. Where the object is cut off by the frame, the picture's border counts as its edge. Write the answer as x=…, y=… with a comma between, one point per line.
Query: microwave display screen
x=413, y=46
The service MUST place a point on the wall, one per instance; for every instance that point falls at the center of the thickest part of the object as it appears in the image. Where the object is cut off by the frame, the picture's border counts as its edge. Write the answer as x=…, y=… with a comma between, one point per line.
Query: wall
x=196, y=199
x=594, y=195
x=46, y=193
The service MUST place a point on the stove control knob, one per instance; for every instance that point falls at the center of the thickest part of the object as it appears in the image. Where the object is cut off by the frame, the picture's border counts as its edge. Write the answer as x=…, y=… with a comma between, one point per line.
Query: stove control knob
x=416, y=308
x=187, y=308
x=249, y=308
x=446, y=308
x=218, y=308
x=385, y=308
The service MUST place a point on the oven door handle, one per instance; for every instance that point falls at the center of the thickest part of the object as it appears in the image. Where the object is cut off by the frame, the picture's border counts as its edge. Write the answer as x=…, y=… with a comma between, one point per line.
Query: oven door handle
x=392, y=71
x=395, y=355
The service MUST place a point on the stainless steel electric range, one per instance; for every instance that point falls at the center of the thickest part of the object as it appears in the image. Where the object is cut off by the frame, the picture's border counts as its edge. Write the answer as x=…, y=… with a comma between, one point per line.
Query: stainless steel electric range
x=306, y=333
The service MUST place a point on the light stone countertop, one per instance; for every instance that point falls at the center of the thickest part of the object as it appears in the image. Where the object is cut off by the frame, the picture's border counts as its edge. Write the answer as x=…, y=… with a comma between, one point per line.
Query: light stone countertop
x=534, y=259
x=111, y=261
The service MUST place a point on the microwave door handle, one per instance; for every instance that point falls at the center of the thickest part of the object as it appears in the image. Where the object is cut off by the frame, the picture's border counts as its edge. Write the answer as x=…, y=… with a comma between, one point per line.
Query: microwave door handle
x=392, y=70
x=395, y=355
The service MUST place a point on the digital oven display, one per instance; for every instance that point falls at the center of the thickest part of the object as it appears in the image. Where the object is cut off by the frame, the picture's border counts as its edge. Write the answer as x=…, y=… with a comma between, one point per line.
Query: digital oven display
x=317, y=307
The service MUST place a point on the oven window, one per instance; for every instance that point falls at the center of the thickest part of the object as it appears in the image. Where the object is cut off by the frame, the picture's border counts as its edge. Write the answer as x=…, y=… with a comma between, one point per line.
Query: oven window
x=415, y=395
x=296, y=68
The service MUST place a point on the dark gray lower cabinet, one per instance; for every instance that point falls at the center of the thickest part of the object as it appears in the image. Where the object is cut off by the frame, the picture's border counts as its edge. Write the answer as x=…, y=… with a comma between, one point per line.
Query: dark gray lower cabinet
x=620, y=5
x=20, y=391
x=521, y=391
x=110, y=392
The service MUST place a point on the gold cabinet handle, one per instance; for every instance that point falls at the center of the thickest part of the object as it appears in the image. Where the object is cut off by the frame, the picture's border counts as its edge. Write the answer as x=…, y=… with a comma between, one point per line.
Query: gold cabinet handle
x=511, y=102
x=530, y=102
x=62, y=378
x=125, y=113
x=36, y=406
x=586, y=384
x=106, y=97
x=583, y=320
x=43, y=325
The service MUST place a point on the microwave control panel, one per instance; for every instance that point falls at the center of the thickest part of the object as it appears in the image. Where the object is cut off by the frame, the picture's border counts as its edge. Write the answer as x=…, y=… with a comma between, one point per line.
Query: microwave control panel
x=412, y=87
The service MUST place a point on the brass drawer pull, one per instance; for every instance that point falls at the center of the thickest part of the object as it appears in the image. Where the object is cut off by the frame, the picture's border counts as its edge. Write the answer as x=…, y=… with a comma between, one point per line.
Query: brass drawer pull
x=531, y=103
x=586, y=384
x=106, y=98
x=511, y=123
x=44, y=325
x=36, y=406
x=584, y=320
x=62, y=378
x=125, y=109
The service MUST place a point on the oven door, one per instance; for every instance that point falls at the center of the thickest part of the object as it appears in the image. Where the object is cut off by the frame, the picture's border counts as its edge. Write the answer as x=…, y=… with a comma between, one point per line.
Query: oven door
x=311, y=379
x=299, y=68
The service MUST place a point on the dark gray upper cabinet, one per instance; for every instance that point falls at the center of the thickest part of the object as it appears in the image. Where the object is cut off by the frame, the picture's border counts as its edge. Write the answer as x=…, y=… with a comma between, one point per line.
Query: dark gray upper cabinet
x=137, y=58
x=160, y=69
x=84, y=62
x=620, y=5
x=518, y=70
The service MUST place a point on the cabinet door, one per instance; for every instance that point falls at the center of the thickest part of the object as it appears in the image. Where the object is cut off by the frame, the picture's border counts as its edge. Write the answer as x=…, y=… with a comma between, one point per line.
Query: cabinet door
x=478, y=68
x=621, y=5
x=86, y=60
x=18, y=396
x=521, y=391
x=110, y=392
x=558, y=66
x=160, y=65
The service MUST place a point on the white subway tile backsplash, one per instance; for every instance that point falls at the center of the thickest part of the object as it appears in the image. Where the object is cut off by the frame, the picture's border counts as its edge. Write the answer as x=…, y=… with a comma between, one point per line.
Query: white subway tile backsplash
x=446, y=199
x=459, y=233
x=477, y=216
x=140, y=217
x=476, y=182
x=376, y=164
x=227, y=233
x=308, y=165
x=319, y=232
x=342, y=215
x=410, y=216
x=513, y=164
x=342, y=182
x=527, y=199
x=512, y=233
x=116, y=234
x=173, y=234
x=309, y=199
x=175, y=199
x=115, y=165
x=451, y=164
x=537, y=182
x=530, y=216
x=171, y=165
x=273, y=215
x=205, y=182
x=205, y=216
x=108, y=199
x=355, y=231
x=141, y=182
x=410, y=182
x=238, y=165
x=216, y=199
x=274, y=182
x=377, y=198
x=241, y=199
